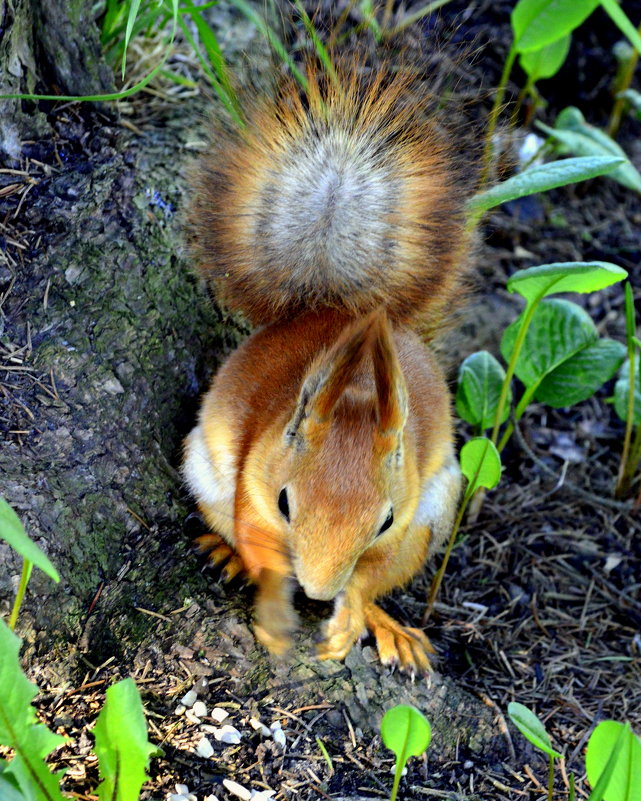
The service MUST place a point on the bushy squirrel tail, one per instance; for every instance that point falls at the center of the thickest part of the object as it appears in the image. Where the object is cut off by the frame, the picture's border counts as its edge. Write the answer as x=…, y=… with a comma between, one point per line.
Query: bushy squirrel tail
x=341, y=195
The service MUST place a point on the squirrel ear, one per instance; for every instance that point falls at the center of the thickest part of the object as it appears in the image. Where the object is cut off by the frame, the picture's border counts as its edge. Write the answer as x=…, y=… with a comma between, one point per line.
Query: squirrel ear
x=329, y=377
x=390, y=383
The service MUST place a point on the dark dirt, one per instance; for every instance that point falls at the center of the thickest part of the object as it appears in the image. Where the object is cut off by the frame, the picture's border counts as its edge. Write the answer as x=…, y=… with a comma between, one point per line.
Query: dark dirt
x=106, y=341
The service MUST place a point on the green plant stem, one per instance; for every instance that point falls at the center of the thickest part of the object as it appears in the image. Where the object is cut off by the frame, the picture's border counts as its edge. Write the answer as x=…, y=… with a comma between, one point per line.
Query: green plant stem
x=438, y=578
x=518, y=413
x=619, y=103
x=624, y=467
x=24, y=580
x=397, y=780
x=494, y=116
x=516, y=350
x=571, y=794
x=634, y=457
x=551, y=778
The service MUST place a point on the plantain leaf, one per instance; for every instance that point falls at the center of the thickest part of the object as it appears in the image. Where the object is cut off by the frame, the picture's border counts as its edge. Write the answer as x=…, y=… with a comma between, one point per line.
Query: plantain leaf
x=543, y=177
x=624, y=783
x=531, y=728
x=558, y=330
x=579, y=377
x=547, y=61
x=12, y=531
x=19, y=730
x=121, y=743
x=621, y=389
x=537, y=23
x=406, y=732
x=571, y=276
x=480, y=464
x=480, y=378
x=578, y=137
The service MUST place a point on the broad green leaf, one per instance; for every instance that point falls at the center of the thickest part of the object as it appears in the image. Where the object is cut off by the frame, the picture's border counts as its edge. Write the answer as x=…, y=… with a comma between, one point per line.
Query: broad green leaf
x=12, y=531
x=559, y=329
x=480, y=378
x=625, y=782
x=546, y=62
x=622, y=21
x=8, y=792
x=406, y=732
x=579, y=377
x=537, y=23
x=582, y=139
x=543, y=177
x=531, y=728
x=121, y=743
x=480, y=464
x=570, y=276
x=19, y=730
x=621, y=389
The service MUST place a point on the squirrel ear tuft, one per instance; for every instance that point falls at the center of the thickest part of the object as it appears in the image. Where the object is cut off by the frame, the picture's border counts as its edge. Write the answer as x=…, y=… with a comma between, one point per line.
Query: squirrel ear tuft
x=330, y=376
x=390, y=383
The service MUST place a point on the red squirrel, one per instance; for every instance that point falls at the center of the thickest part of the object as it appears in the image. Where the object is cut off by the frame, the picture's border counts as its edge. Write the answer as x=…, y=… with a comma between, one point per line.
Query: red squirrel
x=323, y=453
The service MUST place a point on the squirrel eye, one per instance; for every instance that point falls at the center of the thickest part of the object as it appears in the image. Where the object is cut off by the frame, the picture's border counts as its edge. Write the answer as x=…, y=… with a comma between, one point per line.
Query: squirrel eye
x=388, y=522
x=283, y=504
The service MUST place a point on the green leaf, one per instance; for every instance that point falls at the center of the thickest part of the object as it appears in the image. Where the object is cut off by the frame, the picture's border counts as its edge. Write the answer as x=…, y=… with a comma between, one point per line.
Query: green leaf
x=531, y=728
x=622, y=388
x=121, y=743
x=559, y=329
x=571, y=276
x=9, y=792
x=625, y=782
x=406, y=732
x=480, y=464
x=543, y=177
x=622, y=21
x=634, y=99
x=12, y=531
x=582, y=139
x=480, y=379
x=546, y=62
x=579, y=377
x=537, y=23
x=31, y=741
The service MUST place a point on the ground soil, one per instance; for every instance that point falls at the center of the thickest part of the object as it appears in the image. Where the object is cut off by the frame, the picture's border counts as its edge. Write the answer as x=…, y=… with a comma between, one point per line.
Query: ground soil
x=542, y=601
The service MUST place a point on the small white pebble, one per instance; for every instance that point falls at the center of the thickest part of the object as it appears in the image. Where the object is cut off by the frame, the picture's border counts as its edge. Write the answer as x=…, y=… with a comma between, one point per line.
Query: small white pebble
x=189, y=699
x=393, y=770
x=219, y=714
x=210, y=797
x=228, y=734
x=237, y=789
x=262, y=795
x=199, y=709
x=204, y=748
x=191, y=797
x=191, y=717
x=278, y=734
x=179, y=710
x=177, y=797
x=468, y=764
x=258, y=726
x=209, y=729
x=182, y=789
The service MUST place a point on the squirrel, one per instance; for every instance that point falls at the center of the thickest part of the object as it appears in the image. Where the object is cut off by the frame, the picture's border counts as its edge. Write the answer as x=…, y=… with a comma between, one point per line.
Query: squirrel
x=323, y=454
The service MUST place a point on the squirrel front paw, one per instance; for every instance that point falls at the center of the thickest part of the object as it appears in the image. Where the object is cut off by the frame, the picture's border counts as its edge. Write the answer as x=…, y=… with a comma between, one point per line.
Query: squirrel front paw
x=340, y=633
x=275, y=619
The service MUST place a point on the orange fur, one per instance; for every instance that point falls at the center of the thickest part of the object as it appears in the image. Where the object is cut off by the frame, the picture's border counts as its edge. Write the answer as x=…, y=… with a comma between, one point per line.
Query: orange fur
x=324, y=448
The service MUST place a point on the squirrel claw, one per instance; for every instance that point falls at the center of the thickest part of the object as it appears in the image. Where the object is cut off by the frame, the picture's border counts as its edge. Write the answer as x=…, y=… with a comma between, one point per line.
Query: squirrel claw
x=218, y=552
x=398, y=645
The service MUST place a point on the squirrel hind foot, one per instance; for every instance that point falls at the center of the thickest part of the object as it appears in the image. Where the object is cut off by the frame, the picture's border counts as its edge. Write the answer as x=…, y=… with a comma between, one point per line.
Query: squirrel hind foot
x=398, y=645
